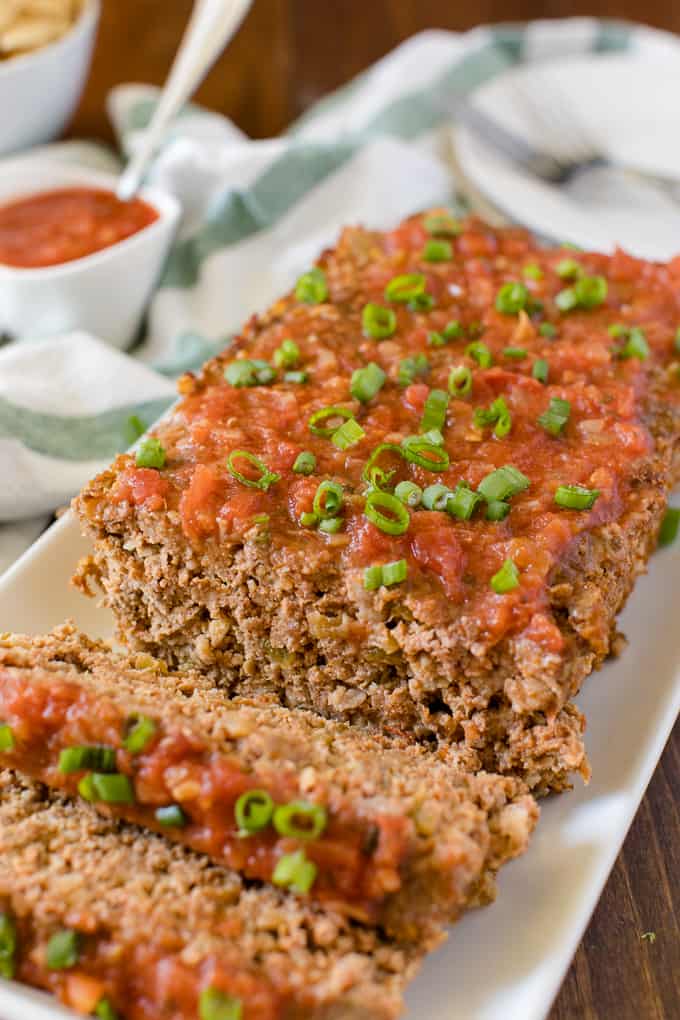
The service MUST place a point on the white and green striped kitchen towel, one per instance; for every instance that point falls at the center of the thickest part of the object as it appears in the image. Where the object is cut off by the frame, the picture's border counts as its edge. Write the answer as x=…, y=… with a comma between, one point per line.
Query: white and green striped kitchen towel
x=256, y=213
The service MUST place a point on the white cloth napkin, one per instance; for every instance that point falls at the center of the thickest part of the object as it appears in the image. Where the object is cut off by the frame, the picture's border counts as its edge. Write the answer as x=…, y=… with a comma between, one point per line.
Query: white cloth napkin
x=256, y=213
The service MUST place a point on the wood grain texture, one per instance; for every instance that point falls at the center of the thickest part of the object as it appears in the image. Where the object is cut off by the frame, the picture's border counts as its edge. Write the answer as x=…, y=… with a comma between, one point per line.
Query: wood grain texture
x=287, y=54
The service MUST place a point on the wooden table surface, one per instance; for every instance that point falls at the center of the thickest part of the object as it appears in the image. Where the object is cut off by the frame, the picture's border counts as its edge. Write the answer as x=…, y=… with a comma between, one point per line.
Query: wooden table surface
x=286, y=55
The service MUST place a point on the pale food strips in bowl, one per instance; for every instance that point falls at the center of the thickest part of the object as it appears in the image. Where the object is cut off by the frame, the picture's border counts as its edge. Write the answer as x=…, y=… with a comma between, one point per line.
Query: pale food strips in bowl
x=27, y=25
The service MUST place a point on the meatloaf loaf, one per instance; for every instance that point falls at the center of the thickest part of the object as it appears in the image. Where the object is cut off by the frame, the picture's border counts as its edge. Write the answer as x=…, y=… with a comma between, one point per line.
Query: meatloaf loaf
x=120, y=924
x=416, y=492
x=381, y=831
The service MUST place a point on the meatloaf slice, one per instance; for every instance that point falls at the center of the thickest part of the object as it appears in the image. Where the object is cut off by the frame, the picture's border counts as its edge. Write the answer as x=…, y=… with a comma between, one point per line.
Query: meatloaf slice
x=113, y=919
x=384, y=832
x=322, y=515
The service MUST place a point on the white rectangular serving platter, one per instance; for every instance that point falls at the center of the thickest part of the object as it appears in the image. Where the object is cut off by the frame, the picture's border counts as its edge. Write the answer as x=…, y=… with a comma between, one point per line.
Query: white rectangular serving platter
x=505, y=962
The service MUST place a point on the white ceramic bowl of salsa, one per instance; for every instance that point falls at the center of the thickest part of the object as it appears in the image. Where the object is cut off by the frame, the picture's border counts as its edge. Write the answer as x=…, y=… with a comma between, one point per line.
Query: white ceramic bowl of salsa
x=39, y=90
x=104, y=293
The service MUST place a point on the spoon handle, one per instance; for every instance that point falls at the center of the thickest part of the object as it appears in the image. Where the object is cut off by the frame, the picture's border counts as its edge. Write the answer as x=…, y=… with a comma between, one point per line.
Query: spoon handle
x=211, y=26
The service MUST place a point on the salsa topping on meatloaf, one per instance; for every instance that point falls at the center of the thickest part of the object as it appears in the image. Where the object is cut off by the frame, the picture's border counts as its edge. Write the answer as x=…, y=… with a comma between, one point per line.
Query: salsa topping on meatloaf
x=450, y=418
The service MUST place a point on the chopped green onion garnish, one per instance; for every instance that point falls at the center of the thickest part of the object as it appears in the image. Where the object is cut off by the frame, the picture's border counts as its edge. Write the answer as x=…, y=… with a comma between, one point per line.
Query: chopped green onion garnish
x=385, y=575
x=331, y=525
x=138, y=737
x=377, y=321
x=497, y=412
x=418, y=450
x=453, y=330
x=547, y=329
x=104, y=1010
x=295, y=872
x=287, y=355
x=435, y=339
x=312, y=288
x=506, y=579
x=540, y=370
x=75, y=759
x=497, y=510
x=516, y=353
x=253, y=811
x=437, y=251
x=171, y=816
x=442, y=224
x=409, y=493
x=349, y=434
x=63, y=950
x=151, y=454
x=676, y=341
x=434, y=411
x=308, y=520
x=366, y=382
x=300, y=819
x=412, y=368
x=435, y=496
x=86, y=788
x=576, y=497
x=112, y=788
x=556, y=416
x=463, y=501
x=265, y=478
x=7, y=742
x=328, y=499
x=375, y=475
x=460, y=381
x=328, y=413
x=433, y=436
x=216, y=1005
x=617, y=329
x=480, y=353
x=512, y=298
x=298, y=376
x=669, y=526
x=405, y=288
x=636, y=345
x=587, y=292
x=569, y=269
x=395, y=520
x=421, y=303
x=245, y=372
x=305, y=463
x=8, y=945
x=503, y=483
x=533, y=271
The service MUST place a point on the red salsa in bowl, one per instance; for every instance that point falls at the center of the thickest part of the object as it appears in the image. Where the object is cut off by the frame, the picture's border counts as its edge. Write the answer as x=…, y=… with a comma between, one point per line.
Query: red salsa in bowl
x=53, y=227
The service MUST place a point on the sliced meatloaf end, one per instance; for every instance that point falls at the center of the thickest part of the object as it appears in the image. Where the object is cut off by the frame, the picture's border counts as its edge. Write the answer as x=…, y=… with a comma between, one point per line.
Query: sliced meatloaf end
x=93, y=910
x=371, y=826
x=443, y=375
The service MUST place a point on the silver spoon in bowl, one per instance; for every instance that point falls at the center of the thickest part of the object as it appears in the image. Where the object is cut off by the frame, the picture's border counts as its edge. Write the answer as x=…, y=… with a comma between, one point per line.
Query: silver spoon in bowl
x=211, y=26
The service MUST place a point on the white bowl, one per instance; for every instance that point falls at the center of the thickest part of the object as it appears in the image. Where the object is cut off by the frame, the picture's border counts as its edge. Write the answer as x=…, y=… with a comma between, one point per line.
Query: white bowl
x=39, y=91
x=106, y=293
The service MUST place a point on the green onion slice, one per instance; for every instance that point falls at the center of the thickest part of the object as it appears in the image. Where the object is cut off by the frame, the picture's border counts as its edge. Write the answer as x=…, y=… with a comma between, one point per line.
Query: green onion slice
x=409, y=493
x=387, y=512
x=556, y=416
x=287, y=355
x=453, y=330
x=503, y=483
x=421, y=303
x=497, y=413
x=437, y=251
x=497, y=510
x=480, y=353
x=312, y=288
x=308, y=520
x=266, y=477
x=375, y=475
x=8, y=945
x=435, y=496
x=295, y=872
x=75, y=759
x=669, y=526
x=569, y=269
x=411, y=369
x=253, y=811
x=512, y=298
x=385, y=575
x=434, y=411
x=402, y=289
x=586, y=292
x=7, y=741
x=151, y=454
x=676, y=341
x=216, y=1005
x=506, y=579
x=515, y=353
x=324, y=414
x=547, y=329
x=367, y=382
x=171, y=816
x=305, y=463
x=300, y=819
x=377, y=321
x=328, y=499
x=298, y=376
x=575, y=497
x=463, y=501
x=540, y=370
x=349, y=434
x=247, y=372
x=331, y=525
x=636, y=345
x=140, y=733
x=460, y=381
x=418, y=450
x=63, y=950
x=532, y=271
x=104, y=1010
x=435, y=339
x=443, y=225
x=112, y=788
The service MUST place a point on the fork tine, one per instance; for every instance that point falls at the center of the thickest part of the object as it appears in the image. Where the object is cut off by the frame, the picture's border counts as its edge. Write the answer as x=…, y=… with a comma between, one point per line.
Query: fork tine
x=562, y=134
